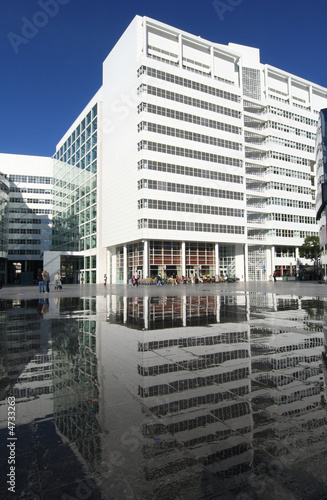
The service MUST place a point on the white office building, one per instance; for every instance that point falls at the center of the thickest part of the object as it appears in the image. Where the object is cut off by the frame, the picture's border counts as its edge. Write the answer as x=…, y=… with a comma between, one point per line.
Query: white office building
x=193, y=158
x=28, y=214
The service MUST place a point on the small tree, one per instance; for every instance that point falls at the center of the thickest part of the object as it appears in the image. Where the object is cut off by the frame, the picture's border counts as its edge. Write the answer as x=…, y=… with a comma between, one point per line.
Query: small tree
x=311, y=250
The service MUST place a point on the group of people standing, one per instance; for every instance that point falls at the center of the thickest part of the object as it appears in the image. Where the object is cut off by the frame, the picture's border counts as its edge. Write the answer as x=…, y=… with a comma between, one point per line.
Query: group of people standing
x=43, y=278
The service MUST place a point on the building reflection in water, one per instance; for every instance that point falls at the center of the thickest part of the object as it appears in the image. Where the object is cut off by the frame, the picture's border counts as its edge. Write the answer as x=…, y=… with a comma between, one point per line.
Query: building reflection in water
x=228, y=405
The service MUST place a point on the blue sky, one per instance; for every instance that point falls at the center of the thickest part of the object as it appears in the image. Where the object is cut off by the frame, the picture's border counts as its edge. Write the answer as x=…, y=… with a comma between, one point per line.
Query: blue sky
x=51, y=52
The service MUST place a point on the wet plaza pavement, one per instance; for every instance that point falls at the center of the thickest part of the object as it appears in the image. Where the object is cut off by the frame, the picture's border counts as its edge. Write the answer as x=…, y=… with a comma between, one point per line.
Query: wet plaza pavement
x=213, y=391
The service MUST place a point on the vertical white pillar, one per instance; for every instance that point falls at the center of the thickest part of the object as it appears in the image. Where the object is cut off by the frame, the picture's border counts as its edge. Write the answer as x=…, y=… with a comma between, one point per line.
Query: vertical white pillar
x=310, y=97
x=125, y=264
x=272, y=260
x=114, y=265
x=246, y=260
x=297, y=256
x=108, y=266
x=125, y=309
x=145, y=258
x=183, y=258
x=184, y=310
x=218, y=308
x=146, y=312
x=180, y=50
x=216, y=260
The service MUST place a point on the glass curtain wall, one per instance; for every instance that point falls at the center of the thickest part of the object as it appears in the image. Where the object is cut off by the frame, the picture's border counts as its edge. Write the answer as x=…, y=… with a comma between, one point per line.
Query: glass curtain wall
x=75, y=191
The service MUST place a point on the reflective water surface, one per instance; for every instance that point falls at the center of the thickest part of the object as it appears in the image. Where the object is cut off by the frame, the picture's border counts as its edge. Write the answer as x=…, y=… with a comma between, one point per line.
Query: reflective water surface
x=168, y=397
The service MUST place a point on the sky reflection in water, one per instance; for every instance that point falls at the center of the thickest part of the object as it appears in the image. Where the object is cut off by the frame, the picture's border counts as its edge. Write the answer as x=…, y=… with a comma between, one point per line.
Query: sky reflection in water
x=165, y=397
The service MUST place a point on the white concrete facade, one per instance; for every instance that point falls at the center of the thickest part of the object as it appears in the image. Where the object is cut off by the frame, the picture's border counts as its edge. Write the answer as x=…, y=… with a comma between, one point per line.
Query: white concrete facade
x=204, y=143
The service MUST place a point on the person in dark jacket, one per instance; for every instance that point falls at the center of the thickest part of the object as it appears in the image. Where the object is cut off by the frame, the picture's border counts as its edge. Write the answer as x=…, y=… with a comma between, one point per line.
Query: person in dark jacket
x=39, y=277
x=46, y=279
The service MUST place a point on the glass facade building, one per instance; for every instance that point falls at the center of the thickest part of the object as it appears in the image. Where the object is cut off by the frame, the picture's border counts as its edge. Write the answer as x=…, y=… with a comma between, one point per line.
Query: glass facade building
x=75, y=194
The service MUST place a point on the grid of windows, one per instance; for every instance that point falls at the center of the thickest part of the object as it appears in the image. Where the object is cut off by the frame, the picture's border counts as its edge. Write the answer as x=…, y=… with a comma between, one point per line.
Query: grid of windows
x=164, y=253
x=75, y=188
x=199, y=254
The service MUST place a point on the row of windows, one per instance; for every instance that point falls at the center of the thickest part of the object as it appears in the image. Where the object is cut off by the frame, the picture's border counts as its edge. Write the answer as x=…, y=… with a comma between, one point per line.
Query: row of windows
x=224, y=338
x=302, y=219
x=206, y=361
x=284, y=233
x=284, y=202
x=188, y=153
x=28, y=221
x=191, y=171
x=30, y=200
x=187, y=117
x=26, y=251
x=26, y=210
x=185, y=82
x=24, y=231
x=80, y=148
x=295, y=234
x=280, y=186
x=190, y=101
x=290, y=158
x=290, y=144
x=190, y=207
x=190, y=136
x=188, y=189
x=292, y=116
x=30, y=190
x=24, y=242
x=288, y=173
x=188, y=226
x=30, y=179
x=198, y=401
x=306, y=344
x=290, y=130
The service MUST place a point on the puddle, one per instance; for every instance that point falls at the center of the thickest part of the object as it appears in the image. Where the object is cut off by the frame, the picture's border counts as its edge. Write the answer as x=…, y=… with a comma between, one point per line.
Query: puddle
x=163, y=397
